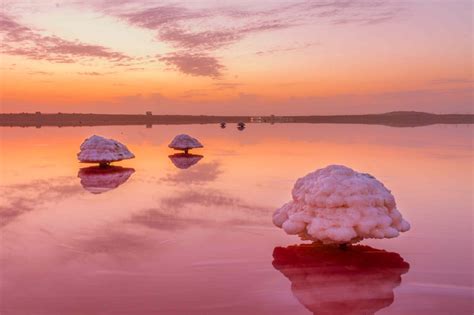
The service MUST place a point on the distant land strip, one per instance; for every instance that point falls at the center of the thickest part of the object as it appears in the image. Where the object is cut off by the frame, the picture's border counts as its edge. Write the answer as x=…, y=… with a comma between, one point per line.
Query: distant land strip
x=393, y=119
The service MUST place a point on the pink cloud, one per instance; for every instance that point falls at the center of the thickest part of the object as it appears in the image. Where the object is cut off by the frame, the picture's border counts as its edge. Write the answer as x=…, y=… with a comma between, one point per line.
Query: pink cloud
x=197, y=32
x=170, y=22
x=20, y=40
x=196, y=64
x=201, y=63
x=156, y=17
x=198, y=40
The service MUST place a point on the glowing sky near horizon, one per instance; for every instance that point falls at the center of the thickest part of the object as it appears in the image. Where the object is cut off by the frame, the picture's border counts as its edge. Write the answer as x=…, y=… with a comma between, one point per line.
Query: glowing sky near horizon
x=236, y=57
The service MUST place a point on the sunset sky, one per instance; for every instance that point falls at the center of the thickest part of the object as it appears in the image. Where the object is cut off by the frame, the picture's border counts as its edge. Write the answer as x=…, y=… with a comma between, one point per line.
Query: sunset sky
x=236, y=57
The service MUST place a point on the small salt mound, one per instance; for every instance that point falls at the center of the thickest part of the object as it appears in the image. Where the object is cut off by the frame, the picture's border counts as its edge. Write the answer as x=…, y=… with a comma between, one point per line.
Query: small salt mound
x=337, y=205
x=184, y=142
x=97, y=149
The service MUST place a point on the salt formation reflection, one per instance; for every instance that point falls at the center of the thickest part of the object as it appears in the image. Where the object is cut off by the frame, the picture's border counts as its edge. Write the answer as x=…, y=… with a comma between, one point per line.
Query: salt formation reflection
x=98, y=180
x=328, y=280
x=184, y=160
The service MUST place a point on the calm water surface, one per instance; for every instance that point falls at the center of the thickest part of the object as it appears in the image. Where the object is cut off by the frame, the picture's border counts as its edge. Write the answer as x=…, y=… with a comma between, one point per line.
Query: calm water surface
x=155, y=237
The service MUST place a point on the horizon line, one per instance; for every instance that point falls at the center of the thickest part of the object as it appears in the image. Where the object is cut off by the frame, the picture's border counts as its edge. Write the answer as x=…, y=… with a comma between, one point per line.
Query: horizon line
x=150, y=113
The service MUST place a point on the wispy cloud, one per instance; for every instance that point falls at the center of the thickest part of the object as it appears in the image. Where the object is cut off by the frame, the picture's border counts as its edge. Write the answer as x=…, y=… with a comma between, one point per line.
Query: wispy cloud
x=215, y=87
x=444, y=81
x=94, y=73
x=226, y=85
x=20, y=40
x=40, y=72
x=355, y=12
x=276, y=50
x=211, y=40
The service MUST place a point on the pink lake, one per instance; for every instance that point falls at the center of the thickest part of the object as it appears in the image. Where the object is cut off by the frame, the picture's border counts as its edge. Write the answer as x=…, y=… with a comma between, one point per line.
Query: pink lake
x=153, y=238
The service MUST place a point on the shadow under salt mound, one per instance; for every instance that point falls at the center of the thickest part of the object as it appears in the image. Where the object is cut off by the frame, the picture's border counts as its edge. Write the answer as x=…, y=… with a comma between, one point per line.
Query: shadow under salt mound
x=328, y=280
x=184, y=160
x=98, y=180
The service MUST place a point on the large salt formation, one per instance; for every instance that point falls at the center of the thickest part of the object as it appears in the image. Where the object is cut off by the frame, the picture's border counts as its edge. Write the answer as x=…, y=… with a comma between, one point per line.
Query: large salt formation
x=329, y=281
x=185, y=143
x=97, y=149
x=98, y=180
x=336, y=205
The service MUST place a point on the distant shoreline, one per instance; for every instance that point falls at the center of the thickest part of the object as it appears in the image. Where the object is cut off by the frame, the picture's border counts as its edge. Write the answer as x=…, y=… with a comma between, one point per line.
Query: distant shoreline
x=393, y=119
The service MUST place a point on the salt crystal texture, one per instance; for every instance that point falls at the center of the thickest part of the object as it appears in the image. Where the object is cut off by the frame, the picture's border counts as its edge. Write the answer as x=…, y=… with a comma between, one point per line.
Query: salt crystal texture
x=337, y=205
x=184, y=142
x=97, y=149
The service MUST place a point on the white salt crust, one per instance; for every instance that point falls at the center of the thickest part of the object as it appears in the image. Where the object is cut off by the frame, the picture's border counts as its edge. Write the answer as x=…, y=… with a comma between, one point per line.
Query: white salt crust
x=97, y=149
x=337, y=205
x=184, y=142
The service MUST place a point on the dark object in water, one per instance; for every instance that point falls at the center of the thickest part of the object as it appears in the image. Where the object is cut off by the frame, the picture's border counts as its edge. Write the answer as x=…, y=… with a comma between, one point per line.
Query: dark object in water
x=241, y=126
x=223, y=125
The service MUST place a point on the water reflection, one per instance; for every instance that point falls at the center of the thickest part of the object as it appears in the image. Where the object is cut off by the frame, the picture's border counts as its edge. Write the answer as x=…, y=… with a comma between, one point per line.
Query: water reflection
x=112, y=241
x=184, y=160
x=327, y=280
x=201, y=174
x=161, y=239
x=188, y=208
x=21, y=198
x=98, y=180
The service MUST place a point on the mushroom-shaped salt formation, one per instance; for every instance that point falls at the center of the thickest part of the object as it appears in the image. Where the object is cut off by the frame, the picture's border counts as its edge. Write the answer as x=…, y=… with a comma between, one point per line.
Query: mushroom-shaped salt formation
x=97, y=149
x=184, y=143
x=98, y=180
x=327, y=280
x=184, y=161
x=336, y=205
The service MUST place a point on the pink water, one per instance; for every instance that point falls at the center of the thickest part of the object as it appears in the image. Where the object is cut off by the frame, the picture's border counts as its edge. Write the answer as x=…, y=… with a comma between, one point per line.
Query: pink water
x=156, y=239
